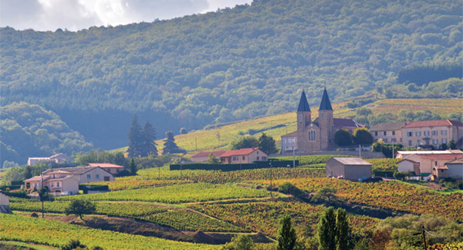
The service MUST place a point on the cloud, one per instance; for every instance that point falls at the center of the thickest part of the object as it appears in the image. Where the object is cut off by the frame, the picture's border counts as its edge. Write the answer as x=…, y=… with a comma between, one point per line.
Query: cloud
x=81, y=14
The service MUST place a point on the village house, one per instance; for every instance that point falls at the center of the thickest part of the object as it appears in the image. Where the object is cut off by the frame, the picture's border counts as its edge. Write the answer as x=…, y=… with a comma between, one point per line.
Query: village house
x=4, y=203
x=390, y=132
x=430, y=159
x=244, y=155
x=57, y=158
x=67, y=180
x=109, y=167
x=408, y=165
x=348, y=168
x=204, y=156
x=435, y=133
x=317, y=135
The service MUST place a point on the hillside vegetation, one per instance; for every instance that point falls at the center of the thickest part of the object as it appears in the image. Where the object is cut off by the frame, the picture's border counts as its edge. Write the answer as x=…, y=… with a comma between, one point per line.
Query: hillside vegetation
x=229, y=65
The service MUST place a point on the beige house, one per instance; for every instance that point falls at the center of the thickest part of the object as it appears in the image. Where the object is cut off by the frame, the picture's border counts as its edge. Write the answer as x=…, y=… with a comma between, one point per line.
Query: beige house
x=436, y=133
x=57, y=158
x=430, y=159
x=4, y=204
x=67, y=180
x=408, y=165
x=455, y=169
x=244, y=155
x=317, y=135
x=348, y=168
x=109, y=167
x=204, y=156
x=390, y=132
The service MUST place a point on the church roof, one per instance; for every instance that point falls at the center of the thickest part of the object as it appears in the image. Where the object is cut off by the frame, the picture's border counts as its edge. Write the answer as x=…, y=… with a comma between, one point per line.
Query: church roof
x=303, y=104
x=325, y=104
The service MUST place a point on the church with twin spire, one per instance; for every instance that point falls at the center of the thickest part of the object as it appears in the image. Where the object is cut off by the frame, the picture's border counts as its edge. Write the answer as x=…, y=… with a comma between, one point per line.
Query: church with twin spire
x=317, y=135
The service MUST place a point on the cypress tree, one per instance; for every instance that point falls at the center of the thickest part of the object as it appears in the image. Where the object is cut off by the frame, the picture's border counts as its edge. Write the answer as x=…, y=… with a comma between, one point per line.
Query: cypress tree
x=267, y=144
x=170, y=147
x=135, y=138
x=342, y=230
x=149, y=136
x=287, y=234
x=326, y=230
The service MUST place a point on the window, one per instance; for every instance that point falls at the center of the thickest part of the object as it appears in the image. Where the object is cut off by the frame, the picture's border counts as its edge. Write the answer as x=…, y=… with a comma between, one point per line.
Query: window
x=244, y=157
x=409, y=134
x=57, y=184
x=410, y=143
x=235, y=158
x=393, y=140
x=264, y=158
x=418, y=142
x=97, y=176
x=393, y=132
x=89, y=177
x=312, y=135
x=385, y=132
x=444, y=141
x=435, y=132
x=52, y=184
x=426, y=133
x=257, y=157
x=418, y=133
x=435, y=141
x=443, y=132
x=300, y=117
x=385, y=140
x=376, y=133
x=323, y=116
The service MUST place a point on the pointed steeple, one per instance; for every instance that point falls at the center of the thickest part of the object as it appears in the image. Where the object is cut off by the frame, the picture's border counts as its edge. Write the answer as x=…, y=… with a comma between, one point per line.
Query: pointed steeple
x=325, y=104
x=303, y=104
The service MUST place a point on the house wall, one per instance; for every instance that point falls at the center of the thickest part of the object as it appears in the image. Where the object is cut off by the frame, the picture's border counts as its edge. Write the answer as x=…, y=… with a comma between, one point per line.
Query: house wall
x=287, y=143
x=334, y=168
x=70, y=186
x=4, y=200
x=33, y=184
x=438, y=135
x=388, y=136
x=252, y=157
x=113, y=170
x=405, y=166
x=355, y=172
x=455, y=170
x=426, y=165
x=91, y=176
x=200, y=159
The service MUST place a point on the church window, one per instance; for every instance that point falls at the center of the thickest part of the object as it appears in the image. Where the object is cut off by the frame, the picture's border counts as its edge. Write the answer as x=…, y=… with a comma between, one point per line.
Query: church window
x=323, y=116
x=300, y=117
x=312, y=135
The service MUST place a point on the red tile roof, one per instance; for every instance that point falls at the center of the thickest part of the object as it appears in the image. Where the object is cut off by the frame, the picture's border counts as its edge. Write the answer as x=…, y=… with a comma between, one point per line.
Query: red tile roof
x=243, y=151
x=442, y=156
x=207, y=153
x=104, y=165
x=292, y=134
x=434, y=123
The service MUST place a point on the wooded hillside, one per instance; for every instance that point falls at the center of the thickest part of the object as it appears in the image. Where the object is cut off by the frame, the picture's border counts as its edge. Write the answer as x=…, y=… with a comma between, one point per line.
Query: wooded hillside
x=223, y=66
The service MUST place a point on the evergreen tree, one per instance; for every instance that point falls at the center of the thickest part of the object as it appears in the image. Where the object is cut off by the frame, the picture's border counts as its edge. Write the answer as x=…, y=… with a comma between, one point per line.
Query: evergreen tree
x=44, y=195
x=170, y=147
x=326, y=230
x=245, y=142
x=135, y=138
x=28, y=172
x=133, y=166
x=342, y=230
x=149, y=136
x=287, y=234
x=267, y=144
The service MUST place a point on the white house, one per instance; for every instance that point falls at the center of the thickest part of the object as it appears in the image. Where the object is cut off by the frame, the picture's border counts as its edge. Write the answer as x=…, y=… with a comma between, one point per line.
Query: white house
x=408, y=165
x=455, y=169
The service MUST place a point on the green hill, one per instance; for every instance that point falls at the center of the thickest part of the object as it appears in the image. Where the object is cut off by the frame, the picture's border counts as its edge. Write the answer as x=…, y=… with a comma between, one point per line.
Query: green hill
x=228, y=65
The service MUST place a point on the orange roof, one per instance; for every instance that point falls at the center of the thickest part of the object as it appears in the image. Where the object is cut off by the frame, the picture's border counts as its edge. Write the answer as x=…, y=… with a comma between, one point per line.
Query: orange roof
x=435, y=123
x=243, y=151
x=443, y=156
x=207, y=153
x=292, y=134
x=104, y=165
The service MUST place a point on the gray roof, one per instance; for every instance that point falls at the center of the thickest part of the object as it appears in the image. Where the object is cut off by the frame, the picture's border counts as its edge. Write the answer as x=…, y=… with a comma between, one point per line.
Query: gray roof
x=351, y=161
x=325, y=104
x=75, y=170
x=303, y=104
x=457, y=161
x=387, y=126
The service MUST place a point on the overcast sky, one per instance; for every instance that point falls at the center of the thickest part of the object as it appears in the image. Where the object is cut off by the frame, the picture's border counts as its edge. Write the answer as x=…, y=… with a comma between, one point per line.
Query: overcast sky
x=80, y=14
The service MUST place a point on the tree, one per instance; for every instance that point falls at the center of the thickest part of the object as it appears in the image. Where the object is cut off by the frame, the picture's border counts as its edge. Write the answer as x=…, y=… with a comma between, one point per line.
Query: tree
x=443, y=146
x=239, y=242
x=267, y=144
x=135, y=138
x=44, y=195
x=342, y=138
x=80, y=207
x=452, y=144
x=133, y=167
x=148, y=140
x=170, y=147
x=73, y=244
x=326, y=194
x=342, y=230
x=28, y=172
x=362, y=136
x=326, y=230
x=286, y=234
x=212, y=159
x=245, y=142
x=183, y=131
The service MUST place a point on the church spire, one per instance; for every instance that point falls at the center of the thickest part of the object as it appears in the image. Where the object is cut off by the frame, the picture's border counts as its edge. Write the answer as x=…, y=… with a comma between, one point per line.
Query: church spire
x=325, y=104
x=303, y=104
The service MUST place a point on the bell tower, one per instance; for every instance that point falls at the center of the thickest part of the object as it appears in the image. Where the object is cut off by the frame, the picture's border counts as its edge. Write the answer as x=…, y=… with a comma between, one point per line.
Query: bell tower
x=304, y=116
x=325, y=120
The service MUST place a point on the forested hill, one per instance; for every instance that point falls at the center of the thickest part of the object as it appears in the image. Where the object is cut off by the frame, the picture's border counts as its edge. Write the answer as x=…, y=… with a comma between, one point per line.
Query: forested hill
x=228, y=65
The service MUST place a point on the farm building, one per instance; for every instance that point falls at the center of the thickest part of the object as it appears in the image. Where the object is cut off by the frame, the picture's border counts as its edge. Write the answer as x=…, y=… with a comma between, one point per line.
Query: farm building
x=4, y=204
x=348, y=168
x=408, y=165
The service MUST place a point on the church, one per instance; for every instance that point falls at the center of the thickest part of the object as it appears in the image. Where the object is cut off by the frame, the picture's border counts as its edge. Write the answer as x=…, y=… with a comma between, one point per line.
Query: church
x=318, y=135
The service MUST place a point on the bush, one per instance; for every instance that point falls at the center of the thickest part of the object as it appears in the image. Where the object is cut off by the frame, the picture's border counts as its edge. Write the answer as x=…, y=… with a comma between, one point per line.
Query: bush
x=288, y=188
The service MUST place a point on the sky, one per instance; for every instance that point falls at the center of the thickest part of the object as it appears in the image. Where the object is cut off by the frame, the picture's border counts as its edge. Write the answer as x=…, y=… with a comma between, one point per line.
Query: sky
x=73, y=15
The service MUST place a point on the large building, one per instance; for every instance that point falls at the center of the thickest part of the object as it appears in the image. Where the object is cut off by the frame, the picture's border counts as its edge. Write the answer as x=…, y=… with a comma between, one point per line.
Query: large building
x=348, y=168
x=318, y=135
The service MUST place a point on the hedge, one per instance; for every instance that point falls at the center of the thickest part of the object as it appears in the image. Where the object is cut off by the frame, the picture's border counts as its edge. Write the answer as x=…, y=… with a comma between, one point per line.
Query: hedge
x=232, y=167
x=384, y=173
